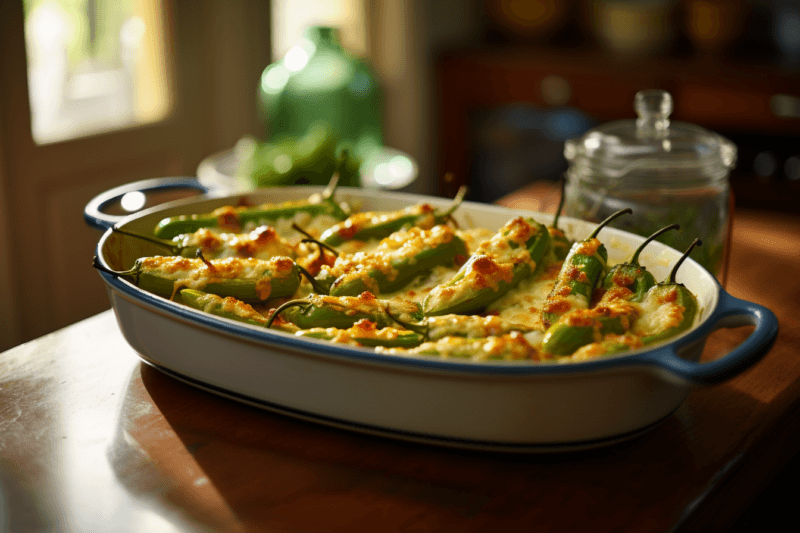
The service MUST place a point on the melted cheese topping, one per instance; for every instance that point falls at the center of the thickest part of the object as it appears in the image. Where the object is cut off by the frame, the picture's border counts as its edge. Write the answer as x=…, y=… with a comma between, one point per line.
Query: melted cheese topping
x=523, y=305
x=493, y=263
x=505, y=347
x=564, y=303
x=228, y=215
x=614, y=309
x=423, y=213
x=213, y=304
x=474, y=237
x=366, y=303
x=561, y=299
x=313, y=225
x=659, y=314
x=361, y=330
x=472, y=326
x=261, y=243
x=401, y=247
x=609, y=345
x=511, y=327
x=616, y=293
x=197, y=274
x=588, y=247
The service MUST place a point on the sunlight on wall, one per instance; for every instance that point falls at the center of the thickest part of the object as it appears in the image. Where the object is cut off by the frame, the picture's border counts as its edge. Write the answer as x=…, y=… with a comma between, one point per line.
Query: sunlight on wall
x=290, y=18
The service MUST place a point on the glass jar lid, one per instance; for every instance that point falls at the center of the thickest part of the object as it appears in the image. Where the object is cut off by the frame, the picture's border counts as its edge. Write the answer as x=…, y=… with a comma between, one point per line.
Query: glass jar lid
x=651, y=143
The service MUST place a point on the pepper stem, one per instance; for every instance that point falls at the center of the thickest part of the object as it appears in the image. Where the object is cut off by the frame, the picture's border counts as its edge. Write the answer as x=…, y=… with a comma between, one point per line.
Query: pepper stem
x=319, y=289
x=635, y=259
x=459, y=197
x=626, y=211
x=281, y=308
x=174, y=248
x=321, y=245
x=560, y=201
x=327, y=194
x=96, y=264
x=416, y=328
x=201, y=257
x=671, y=280
x=310, y=238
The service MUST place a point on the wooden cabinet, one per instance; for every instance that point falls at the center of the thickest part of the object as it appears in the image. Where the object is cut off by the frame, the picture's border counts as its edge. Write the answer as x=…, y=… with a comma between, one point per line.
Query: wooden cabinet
x=757, y=106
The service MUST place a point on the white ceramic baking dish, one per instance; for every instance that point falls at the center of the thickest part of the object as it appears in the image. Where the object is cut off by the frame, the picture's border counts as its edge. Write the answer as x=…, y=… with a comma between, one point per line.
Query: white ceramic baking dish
x=509, y=406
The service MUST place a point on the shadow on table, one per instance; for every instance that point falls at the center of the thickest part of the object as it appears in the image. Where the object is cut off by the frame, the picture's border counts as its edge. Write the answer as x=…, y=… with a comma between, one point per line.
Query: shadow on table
x=222, y=464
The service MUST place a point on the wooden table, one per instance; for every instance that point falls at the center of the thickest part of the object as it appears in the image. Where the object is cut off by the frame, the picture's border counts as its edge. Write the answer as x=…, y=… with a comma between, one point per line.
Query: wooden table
x=92, y=439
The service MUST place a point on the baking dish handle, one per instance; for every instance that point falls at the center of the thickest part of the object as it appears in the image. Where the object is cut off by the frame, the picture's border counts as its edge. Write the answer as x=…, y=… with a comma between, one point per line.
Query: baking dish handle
x=93, y=212
x=731, y=312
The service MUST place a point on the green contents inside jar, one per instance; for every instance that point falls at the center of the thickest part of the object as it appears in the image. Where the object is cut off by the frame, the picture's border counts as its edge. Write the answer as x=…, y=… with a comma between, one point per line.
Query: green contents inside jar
x=666, y=172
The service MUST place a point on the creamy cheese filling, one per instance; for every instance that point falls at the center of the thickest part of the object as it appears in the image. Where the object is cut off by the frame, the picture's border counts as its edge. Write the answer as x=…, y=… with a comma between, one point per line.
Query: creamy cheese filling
x=401, y=247
x=424, y=214
x=213, y=304
x=361, y=330
x=197, y=274
x=657, y=317
x=472, y=326
x=512, y=346
x=493, y=264
x=262, y=242
x=499, y=252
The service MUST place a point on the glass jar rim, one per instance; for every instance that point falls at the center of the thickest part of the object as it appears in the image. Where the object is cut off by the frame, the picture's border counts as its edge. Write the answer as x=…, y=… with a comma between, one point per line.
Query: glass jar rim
x=652, y=141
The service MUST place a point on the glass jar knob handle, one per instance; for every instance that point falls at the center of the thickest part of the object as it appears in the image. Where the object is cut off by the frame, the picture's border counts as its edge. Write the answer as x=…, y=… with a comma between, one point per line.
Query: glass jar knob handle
x=653, y=107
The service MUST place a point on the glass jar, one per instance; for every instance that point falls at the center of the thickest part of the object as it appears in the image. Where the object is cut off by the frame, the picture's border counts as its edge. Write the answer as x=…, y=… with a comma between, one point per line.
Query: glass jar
x=666, y=172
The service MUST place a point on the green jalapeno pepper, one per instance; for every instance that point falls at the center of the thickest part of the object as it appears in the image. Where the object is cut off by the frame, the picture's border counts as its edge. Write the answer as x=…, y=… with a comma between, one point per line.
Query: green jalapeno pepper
x=399, y=259
x=610, y=345
x=558, y=240
x=496, y=267
x=585, y=326
x=366, y=226
x=579, y=274
x=631, y=281
x=249, y=280
x=672, y=303
x=261, y=243
x=512, y=346
x=433, y=328
x=234, y=218
x=345, y=311
x=366, y=333
x=230, y=308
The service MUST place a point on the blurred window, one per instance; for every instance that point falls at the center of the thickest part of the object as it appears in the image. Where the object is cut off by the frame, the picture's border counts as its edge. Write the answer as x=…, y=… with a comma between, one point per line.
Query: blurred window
x=94, y=66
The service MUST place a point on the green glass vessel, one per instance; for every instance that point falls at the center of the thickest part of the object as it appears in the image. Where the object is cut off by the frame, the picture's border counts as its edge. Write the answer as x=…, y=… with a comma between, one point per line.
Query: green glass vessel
x=316, y=101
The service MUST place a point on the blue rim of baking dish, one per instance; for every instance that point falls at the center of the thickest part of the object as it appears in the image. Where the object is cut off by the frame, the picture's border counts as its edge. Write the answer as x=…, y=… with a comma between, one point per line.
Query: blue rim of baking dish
x=665, y=357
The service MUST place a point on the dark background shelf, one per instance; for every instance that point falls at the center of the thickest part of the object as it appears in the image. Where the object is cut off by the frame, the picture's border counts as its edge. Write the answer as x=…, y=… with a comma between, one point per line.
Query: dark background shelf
x=747, y=92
